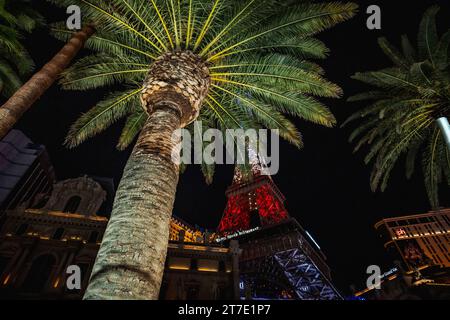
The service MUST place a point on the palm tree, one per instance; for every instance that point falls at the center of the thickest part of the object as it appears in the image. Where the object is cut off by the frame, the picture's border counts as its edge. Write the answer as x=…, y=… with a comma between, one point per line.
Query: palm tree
x=22, y=16
x=16, y=17
x=232, y=64
x=401, y=116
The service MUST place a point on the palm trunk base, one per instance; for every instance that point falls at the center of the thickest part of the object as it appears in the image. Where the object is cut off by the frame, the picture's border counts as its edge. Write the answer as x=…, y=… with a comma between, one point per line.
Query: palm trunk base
x=130, y=263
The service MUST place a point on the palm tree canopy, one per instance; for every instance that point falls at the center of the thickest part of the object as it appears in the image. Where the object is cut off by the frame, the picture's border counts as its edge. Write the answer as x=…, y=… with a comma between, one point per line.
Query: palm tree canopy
x=401, y=116
x=256, y=51
x=16, y=17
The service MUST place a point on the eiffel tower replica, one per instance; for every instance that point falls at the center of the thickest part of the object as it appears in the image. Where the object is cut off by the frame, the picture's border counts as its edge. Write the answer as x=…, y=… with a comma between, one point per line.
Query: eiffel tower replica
x=277, y=257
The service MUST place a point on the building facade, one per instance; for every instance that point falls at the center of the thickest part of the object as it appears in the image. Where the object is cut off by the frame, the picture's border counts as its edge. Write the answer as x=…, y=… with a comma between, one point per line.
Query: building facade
x=197, y=267
x=258, y=251
x=39, y=243
x=25, y=170
x=419, y=246
x=418, y=240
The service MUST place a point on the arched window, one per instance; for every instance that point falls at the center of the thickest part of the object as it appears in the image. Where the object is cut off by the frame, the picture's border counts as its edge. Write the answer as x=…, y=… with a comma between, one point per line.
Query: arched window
x=39, y=274
x=72, y=204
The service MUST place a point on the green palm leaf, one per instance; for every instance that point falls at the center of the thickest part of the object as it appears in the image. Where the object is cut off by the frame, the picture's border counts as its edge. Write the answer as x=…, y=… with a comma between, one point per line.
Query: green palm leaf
x=16, y=19
x=256, y=51
x=400, y=118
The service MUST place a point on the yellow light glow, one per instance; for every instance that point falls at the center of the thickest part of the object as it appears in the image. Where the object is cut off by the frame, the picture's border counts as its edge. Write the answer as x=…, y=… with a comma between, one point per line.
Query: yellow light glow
x=56, y=283
x=66, y=215
x=178, y=268
x=207, y=269
x=193, y=247
x=5, y=282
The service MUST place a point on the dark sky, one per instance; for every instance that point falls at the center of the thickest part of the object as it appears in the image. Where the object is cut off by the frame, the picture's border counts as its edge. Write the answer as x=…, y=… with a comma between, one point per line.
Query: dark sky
x=325, y=184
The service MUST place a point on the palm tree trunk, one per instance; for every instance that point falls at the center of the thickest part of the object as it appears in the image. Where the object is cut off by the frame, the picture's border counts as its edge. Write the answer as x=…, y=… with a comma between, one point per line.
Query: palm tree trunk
x=130, y=263
x=34, y=88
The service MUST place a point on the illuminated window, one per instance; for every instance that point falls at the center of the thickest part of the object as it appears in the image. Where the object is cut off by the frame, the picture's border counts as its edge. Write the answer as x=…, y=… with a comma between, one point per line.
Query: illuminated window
x=400, y=232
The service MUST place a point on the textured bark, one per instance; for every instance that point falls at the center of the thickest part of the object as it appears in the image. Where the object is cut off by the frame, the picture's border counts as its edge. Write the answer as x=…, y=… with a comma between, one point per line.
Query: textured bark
x=34, y=88
x=180, y=78
x=130, y=263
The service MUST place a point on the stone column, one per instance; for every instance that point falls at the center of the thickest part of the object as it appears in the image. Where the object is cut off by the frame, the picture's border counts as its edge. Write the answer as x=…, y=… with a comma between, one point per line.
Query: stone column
x=59, y=273
x=11, y=268
x=235, y=252
x=20, y=270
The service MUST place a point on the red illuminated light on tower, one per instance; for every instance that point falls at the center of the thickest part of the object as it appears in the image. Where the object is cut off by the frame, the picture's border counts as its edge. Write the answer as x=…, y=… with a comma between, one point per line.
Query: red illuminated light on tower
x=252, y=201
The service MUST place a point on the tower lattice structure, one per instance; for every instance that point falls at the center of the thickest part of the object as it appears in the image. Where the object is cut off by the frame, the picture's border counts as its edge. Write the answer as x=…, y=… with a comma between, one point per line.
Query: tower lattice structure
x=253, y=200
x=277, y=261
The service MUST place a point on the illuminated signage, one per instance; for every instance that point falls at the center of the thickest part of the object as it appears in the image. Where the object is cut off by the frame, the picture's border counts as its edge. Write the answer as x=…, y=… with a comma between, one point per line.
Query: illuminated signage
x=400, y=232
x=388, y=273
x=237, y=234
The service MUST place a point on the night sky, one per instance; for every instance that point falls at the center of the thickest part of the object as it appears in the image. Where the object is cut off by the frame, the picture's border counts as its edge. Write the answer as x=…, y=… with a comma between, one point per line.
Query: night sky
x=325, y=184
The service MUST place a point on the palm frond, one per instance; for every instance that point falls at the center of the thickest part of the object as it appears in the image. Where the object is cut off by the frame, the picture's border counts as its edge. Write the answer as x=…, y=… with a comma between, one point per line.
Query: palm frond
x=17, y=17
x=135, y=122
x=257, y=53
x=103, y=115
x=401, y=117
